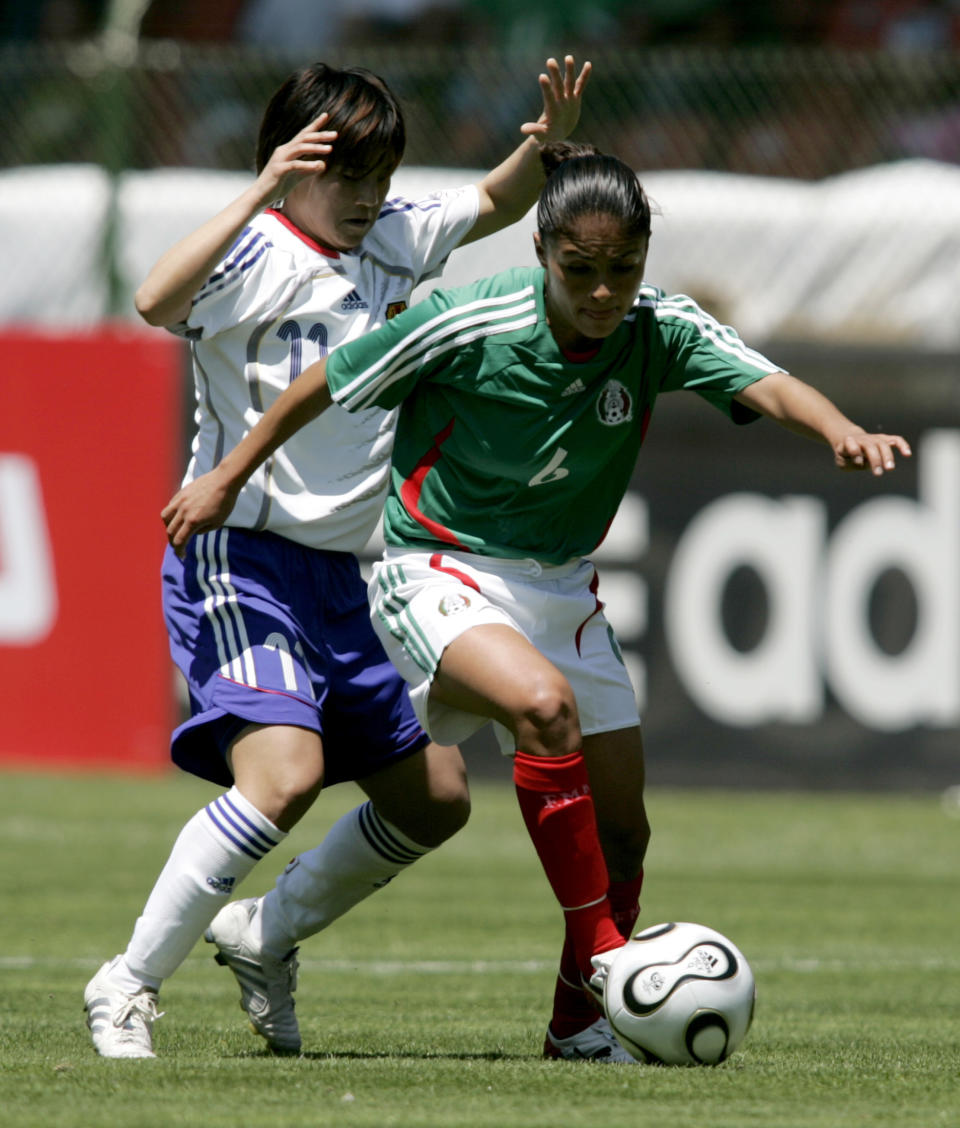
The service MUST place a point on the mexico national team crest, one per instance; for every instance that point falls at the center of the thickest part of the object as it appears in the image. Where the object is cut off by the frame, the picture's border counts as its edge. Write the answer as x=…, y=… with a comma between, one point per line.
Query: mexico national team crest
x=614, y=405
x=453, y=604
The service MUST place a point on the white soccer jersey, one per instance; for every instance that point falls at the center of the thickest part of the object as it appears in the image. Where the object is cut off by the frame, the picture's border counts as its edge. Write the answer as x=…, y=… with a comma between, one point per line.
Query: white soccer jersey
x=277, y=303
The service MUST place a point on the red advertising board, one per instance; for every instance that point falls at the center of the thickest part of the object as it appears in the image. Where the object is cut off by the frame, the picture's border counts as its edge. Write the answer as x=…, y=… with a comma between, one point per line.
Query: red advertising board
x=89, y=453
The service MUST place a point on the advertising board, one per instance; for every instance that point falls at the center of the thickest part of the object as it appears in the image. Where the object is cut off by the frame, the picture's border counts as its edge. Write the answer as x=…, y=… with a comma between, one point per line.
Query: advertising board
x=89, y=453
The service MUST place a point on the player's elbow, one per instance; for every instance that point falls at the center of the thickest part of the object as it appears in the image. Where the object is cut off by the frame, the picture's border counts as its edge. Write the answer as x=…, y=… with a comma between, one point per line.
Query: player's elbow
x=147, y=305
x=154, y=310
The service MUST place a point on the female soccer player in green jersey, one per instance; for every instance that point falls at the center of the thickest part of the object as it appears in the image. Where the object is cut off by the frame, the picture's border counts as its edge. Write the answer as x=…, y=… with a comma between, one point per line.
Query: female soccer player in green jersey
x=524, y=400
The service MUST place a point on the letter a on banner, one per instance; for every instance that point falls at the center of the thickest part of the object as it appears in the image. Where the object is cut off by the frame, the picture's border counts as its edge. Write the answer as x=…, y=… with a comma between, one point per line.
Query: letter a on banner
x=921, y=684
x=28, y=590
x=782, y=541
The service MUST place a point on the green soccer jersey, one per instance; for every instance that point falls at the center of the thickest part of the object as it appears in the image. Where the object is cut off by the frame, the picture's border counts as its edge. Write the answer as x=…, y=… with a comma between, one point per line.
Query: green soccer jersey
x=507, y=447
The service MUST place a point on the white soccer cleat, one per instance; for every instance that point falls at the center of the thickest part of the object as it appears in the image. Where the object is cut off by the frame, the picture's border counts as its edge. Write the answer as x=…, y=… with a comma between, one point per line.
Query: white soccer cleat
x=601, y=967
x=121, y=1024
x=266, y=984
x=596, y=1043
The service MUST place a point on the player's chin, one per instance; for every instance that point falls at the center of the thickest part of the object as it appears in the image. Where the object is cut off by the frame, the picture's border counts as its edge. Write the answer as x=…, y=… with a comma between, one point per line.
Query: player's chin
x=351, y=235
x=599, y=326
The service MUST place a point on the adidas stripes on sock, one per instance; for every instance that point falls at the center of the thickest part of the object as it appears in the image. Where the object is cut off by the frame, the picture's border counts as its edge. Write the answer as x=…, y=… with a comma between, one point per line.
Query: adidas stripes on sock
x=360, y=854
x=213, y=853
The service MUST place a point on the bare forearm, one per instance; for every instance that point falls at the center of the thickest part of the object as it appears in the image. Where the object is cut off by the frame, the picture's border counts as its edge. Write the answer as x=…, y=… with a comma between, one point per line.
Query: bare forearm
x=207, y=501
x=305, y=399
x=168, y=290
x=166, y=293
x=798, y=407
x=805, y=411
x=509, y=191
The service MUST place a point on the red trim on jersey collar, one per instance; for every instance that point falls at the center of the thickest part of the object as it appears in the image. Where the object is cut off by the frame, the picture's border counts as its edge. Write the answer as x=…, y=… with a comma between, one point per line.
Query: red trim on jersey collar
x=302, y=235
x=579, y=356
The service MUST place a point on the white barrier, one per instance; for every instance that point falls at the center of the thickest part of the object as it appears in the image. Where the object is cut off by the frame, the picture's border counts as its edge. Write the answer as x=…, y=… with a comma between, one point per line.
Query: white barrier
x=868, y=258
x=53, y=222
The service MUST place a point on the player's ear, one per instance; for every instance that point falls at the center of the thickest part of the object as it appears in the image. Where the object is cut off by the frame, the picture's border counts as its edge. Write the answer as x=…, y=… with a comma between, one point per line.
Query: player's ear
x=538, y=247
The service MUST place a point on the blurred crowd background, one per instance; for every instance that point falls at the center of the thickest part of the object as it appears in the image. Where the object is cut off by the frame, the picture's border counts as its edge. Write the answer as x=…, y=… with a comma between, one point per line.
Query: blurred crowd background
x=802, y=88
x=896, y=25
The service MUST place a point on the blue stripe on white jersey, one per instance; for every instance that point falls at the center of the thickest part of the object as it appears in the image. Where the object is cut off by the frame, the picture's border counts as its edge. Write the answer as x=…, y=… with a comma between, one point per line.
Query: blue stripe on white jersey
x=449, y=330
x=397, y=205
x=247, y=249
x=234, y=825
x=260, y=251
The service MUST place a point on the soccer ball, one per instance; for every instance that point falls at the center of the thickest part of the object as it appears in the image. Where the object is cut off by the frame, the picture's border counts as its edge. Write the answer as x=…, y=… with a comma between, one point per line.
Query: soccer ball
x=679, y=994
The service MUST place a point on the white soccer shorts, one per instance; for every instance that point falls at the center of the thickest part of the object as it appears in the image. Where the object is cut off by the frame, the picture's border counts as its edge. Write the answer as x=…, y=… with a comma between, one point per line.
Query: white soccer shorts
x=420, y=602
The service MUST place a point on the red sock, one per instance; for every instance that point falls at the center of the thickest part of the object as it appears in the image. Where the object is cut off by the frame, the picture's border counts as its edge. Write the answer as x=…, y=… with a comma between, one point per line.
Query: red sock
x=573, y=1009
x=554, y=795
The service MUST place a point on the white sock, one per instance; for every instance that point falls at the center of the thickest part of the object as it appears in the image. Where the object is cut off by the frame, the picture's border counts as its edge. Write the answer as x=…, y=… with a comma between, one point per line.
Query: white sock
x=214, y=852
x=359, y=855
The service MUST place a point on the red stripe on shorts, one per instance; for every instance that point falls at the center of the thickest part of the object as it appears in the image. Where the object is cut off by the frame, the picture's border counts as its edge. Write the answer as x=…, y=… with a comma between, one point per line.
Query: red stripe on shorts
x=594, y=587
x=455, y=572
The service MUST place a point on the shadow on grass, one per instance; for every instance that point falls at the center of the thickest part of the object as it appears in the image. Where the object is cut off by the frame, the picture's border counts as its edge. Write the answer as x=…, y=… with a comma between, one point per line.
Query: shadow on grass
x=381, y=1055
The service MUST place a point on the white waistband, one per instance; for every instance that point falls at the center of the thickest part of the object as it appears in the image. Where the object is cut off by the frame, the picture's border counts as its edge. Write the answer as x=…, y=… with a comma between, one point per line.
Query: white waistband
x=498, y=565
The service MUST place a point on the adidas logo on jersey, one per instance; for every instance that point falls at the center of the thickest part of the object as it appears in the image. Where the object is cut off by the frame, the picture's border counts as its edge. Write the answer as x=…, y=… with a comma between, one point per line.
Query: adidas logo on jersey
x=222, y=885
x=572, y=389
x=353, y=302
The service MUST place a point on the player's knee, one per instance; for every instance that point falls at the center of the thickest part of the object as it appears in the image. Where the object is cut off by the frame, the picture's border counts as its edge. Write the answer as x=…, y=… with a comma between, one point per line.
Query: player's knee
x=547, y=722
x=279, y=768
x=292, y=797
x=285, y=792
x=449, y=814
x=447, y=795
x=434, y=818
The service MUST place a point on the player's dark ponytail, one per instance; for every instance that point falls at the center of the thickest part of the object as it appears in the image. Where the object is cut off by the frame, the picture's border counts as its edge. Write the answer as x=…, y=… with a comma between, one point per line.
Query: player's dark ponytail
x=583, y=181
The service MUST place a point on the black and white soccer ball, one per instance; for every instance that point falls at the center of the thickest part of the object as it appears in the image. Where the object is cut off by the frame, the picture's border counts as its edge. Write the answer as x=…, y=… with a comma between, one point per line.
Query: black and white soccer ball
x=679, y=994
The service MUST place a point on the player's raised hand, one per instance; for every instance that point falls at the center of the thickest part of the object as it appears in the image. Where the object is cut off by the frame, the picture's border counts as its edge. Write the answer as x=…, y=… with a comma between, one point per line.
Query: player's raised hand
x=304, y=154
x=562, y=93
x=876, y=453
x=201, y=505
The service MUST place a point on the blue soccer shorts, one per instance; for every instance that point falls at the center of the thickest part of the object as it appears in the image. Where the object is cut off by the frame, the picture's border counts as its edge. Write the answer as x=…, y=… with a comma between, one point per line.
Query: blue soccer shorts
x=270, y=632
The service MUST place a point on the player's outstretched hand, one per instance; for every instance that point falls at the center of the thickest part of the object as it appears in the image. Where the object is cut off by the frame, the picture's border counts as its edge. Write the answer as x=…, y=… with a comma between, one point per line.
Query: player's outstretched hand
x=876, y=453
x=201, y=505
x=562, y=92
x=297, y=158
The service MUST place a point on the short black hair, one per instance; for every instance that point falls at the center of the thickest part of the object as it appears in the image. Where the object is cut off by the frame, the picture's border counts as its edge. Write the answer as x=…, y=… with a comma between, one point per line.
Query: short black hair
x=362, y=109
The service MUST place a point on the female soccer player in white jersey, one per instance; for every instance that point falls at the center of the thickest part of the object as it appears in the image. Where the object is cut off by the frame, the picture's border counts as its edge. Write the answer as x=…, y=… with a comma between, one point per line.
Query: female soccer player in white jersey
x=524, y=400
x=268, y=619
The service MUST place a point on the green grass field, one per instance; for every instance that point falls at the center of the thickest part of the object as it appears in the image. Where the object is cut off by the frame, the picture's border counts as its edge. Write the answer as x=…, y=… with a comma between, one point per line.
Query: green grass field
x=426, y=1006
